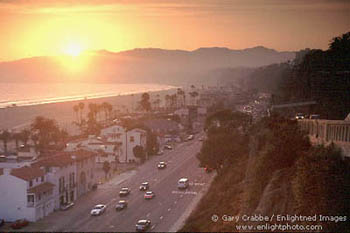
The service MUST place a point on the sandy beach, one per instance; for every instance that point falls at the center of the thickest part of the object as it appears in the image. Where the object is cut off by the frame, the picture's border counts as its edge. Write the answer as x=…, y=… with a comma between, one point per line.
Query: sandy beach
x=16, y=118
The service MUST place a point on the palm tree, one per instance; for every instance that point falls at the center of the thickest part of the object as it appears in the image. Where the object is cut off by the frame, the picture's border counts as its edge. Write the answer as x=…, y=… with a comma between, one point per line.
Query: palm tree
x=25, y=135
x=5, y=137
x=76, y=110
x=81, y=107
x=17, y=137
x=167, y=101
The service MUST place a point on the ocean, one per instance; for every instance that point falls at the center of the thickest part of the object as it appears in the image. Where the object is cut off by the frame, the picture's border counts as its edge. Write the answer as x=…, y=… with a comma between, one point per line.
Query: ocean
x=25, y=94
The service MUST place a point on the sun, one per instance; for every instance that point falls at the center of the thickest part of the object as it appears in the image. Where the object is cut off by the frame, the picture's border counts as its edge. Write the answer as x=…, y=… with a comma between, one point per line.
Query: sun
x=73, y=49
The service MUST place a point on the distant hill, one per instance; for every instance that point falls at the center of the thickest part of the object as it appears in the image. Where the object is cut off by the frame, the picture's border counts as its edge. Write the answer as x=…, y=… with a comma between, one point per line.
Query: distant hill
x=147, y=65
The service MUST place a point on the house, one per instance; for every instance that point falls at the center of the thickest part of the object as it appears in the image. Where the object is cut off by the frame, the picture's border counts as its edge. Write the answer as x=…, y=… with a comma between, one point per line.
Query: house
x=25, y=193
x=107, y=150
x=61, y=171
x=135, y=137
x=72, y=173
x=125, y=141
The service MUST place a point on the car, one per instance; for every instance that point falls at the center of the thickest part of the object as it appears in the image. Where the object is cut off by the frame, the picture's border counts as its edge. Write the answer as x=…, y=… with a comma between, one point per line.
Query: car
x=124, y=192
x=161, y=165
x=94, y=186
x=2, y=222
x=299, y=116
x=67, y=206
x=122, y=204
x=201, y=139
x=190, y=137
x=149, y=195
x=98, y=209
x=183, y=183
x=143, y=225
x=315, y=116
x=208, y=169
x=168, y=147
x=160, y=152
x=144, y=186
x=18, y=224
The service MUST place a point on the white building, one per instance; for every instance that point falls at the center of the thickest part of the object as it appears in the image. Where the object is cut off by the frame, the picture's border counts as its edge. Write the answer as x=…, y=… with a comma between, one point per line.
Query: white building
x=25, y=193
x=126, y=140
x=106, y=150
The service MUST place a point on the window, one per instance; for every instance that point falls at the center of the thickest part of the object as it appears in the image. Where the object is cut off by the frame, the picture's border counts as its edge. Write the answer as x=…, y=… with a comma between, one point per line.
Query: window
x=30, y=198
x=37, y=179
x=42, y=179
x=30, y=183
x=132, y=139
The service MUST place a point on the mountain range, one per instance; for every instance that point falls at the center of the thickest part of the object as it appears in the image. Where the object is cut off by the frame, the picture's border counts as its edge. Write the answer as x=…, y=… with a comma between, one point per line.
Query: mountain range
x=147, y=65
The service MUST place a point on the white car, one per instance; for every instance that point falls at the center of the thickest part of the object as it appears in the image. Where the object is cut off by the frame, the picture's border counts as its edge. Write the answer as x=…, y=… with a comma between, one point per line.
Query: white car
x=98, y=209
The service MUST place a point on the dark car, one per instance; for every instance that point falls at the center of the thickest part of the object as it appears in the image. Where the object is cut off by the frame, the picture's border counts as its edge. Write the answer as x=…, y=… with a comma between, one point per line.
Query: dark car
x=143, y=225
x=122, y=204
x=2, y=222
x=124, y=192
x=208, y=169
x=18, y=224
x=168, y=147
x=144, y=186
x=161, y=165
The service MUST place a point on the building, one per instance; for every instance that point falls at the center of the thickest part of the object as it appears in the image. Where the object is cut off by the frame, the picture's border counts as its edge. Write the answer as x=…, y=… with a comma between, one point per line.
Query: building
x=125, y=140
x=25, y=193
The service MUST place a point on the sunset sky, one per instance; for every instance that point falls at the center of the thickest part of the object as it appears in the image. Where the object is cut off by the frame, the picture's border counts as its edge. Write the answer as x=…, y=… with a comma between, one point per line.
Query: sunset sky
x=36, y=28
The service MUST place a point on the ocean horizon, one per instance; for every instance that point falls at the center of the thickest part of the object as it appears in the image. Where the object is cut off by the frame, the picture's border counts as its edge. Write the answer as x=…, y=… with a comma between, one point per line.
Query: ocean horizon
x=27, y=94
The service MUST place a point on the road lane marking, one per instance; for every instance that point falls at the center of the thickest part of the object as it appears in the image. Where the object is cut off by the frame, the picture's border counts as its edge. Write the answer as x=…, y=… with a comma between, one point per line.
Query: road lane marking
x=184, y=193
x=169, y=209
x=175, y=202
x=153, y=226
x=161, y=217
x=148, y=214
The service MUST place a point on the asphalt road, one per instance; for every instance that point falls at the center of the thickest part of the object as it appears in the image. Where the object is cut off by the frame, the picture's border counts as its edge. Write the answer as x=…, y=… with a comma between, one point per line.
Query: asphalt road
x=163, y=210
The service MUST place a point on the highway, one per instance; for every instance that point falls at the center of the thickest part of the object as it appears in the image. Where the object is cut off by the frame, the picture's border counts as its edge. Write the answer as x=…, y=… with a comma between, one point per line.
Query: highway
x=164, y=210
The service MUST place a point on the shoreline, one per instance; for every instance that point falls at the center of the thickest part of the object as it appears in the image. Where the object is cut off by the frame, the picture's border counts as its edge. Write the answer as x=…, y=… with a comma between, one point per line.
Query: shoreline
x=19, y=117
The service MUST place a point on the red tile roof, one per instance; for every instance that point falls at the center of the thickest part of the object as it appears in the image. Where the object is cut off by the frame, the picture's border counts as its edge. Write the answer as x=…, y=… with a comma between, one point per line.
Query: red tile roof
x=41, y=188
x=58, y=160
x=27, y=173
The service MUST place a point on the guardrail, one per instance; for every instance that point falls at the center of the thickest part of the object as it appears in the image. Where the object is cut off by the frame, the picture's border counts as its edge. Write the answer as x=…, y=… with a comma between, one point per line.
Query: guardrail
x=327, y=131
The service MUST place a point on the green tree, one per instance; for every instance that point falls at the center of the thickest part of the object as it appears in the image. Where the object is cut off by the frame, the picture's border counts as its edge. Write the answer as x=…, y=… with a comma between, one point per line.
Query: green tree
x=145, y=102
x=5, y=137
x=152, y=145
x=106, y=168
x=140, y=153
x=24, y=136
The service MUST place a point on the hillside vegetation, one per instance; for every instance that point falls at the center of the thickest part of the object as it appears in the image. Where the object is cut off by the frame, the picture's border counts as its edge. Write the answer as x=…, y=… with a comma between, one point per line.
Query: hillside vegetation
x=273, y=171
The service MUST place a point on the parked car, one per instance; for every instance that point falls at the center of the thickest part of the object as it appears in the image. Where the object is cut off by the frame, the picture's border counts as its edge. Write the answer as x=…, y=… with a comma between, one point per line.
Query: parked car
x=18, y=224
x=208, y=169
x=98, y=209
x=67, y=206
x=143, y=225
x=168, y=147
x=315, y=116
x=144, y=186
x=94, y=186
x=122, y=204
x=161, y=165
x=2, y=222
x=124, y=192
x=160, y=152
x=149, y=195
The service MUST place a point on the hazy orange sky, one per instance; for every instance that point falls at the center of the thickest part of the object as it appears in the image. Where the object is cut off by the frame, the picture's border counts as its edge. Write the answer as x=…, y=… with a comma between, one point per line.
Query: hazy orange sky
x=36, y=28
